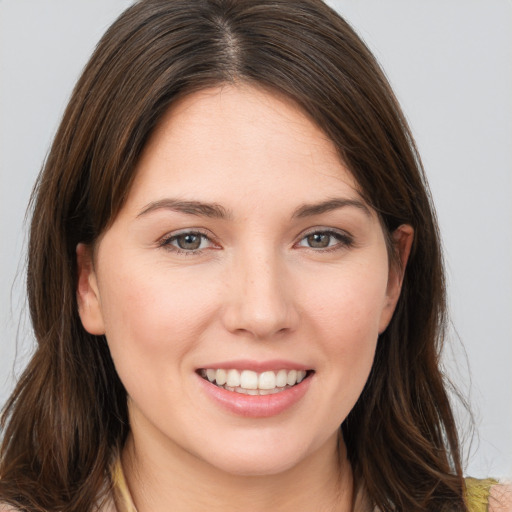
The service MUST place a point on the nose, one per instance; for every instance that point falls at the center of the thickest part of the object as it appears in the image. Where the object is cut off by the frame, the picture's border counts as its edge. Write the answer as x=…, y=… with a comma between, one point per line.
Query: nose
x=261, y=302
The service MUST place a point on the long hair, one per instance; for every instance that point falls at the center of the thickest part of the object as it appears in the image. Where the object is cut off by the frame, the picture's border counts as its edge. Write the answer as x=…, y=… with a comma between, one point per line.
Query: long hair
x=67, y=417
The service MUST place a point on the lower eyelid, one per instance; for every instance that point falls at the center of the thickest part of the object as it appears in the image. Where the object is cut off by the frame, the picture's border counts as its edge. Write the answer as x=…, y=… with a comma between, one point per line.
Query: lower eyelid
x=341, y=238
x=167, y=239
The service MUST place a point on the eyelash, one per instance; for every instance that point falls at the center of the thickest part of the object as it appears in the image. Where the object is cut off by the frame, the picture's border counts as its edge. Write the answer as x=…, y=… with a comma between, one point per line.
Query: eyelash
x=167, y=242
x=343, y=241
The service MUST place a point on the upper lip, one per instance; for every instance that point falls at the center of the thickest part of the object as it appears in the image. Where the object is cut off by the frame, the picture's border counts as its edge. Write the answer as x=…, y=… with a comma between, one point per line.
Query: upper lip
x=256, y=366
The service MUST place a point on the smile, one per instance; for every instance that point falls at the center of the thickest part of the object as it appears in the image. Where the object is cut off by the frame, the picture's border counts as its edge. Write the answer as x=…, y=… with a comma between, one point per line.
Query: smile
x=249, y=382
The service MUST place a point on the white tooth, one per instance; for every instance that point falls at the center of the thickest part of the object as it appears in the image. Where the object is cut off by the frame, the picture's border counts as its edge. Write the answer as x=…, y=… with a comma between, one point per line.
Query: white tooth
x=281, y=378
x=300, y=375
x=220, y=377
x=210, y=374
x=267, y=380
x=241, y=390
x=233, y=379
x=249, y=379
x=291, y=378
x=229, y=388
x=252, y=391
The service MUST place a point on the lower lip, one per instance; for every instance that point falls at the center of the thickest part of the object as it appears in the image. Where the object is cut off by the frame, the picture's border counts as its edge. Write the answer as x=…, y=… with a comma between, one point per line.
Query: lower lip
x=256, y=406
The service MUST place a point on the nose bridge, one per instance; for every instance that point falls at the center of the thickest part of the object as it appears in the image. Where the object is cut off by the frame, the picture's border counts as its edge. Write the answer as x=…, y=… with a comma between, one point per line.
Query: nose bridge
x=260, y=303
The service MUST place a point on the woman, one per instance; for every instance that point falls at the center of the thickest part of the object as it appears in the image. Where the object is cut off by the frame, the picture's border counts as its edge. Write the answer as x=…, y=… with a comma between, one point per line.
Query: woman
x=233, y=253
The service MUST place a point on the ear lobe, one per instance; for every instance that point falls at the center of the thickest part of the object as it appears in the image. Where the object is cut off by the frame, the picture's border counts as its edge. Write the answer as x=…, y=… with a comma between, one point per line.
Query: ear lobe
x=88, y=297
x=402, y=239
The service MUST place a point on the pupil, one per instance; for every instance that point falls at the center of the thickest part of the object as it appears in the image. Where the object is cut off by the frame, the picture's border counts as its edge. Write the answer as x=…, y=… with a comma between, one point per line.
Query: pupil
x=189, y=241
x=318, y=240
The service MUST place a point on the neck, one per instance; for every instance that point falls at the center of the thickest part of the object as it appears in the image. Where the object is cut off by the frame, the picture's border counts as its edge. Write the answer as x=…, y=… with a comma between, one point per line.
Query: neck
x=160, y=478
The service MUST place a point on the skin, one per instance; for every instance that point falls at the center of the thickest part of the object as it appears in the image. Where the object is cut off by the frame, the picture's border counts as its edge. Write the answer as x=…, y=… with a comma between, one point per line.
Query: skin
x=256, y=290
x=500, y=499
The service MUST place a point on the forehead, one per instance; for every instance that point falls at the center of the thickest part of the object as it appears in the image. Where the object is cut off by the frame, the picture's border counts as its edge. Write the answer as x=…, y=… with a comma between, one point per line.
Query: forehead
x=239, y=140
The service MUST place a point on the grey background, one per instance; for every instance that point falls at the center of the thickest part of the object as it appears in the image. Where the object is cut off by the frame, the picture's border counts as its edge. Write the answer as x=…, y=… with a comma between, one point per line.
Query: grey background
x=450, y=63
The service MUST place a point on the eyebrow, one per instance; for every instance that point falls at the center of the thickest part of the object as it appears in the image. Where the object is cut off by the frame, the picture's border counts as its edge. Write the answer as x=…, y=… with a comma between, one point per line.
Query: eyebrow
x=308, y=210
x=217, y=211
x=198, y=208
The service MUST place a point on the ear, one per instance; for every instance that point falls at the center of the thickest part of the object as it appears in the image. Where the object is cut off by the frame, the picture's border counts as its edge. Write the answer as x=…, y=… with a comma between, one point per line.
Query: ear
x=88, y=297
x=401, y=239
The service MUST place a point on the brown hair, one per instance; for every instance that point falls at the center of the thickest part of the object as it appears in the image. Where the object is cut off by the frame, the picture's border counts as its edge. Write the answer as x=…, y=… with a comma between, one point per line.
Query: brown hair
x=68, y=417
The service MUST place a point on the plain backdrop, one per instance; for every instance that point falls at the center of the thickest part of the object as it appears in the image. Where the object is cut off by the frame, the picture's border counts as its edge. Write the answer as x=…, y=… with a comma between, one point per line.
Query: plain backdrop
x=450, y=63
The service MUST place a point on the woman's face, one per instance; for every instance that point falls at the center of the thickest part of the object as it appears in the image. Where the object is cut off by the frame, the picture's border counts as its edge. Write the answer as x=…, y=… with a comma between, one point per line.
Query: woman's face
x=242, y=287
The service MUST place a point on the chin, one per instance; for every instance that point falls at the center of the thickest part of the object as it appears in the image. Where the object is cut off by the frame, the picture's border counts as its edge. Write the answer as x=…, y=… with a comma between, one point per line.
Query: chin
x=257, y=466
x=260, y=457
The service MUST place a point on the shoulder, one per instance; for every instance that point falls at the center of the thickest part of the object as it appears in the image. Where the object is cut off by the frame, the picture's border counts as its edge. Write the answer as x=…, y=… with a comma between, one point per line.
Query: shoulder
x=500, y=498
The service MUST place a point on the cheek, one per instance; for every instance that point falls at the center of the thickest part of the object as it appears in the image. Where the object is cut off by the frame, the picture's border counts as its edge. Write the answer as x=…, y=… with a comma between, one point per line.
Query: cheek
x=345, y=321
x=348, y=304
x=153, y=316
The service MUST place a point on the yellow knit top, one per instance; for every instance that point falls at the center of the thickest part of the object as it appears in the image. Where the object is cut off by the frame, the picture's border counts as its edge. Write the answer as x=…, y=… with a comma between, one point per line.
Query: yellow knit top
x=477, y=493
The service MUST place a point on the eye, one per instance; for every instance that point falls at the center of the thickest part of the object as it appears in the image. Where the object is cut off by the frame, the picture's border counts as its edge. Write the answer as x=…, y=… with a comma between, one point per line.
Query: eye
x=187, y=242
x=326, y=239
